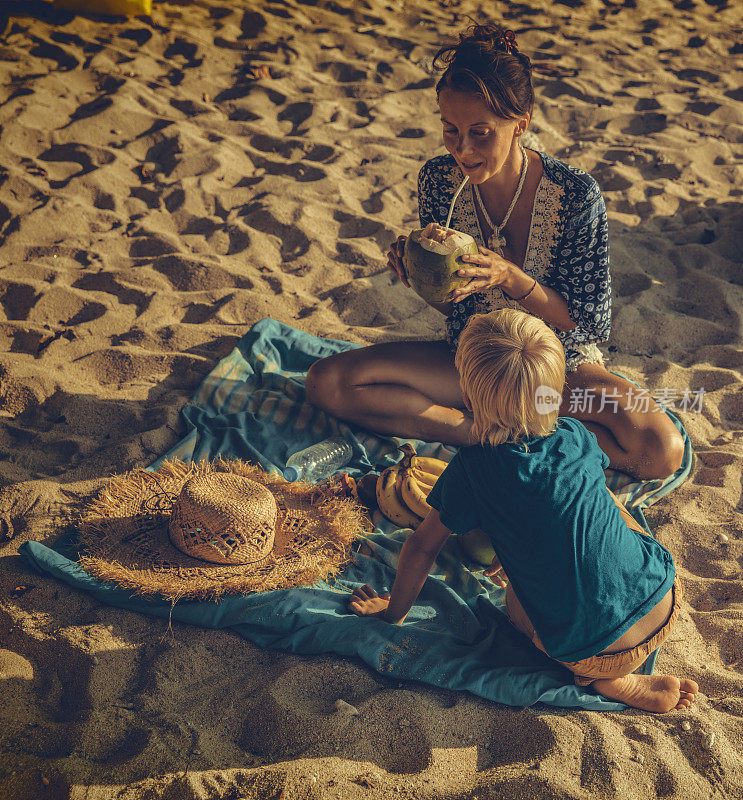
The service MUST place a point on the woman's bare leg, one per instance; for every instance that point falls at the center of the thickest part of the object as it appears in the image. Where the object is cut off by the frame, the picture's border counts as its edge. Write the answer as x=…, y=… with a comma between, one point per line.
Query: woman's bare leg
x=634, y=432
x=406, y=389
x=412, y=389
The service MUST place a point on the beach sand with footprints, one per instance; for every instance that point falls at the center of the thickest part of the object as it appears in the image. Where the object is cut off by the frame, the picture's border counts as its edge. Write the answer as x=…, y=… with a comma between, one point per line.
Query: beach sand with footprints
x=160, y=193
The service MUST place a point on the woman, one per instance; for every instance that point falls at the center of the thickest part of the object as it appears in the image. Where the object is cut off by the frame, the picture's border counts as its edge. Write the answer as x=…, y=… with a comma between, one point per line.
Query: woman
x=542, y=233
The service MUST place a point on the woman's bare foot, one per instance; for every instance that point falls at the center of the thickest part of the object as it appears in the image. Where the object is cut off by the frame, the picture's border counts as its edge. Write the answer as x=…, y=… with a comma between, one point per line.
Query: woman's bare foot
x=659, y=693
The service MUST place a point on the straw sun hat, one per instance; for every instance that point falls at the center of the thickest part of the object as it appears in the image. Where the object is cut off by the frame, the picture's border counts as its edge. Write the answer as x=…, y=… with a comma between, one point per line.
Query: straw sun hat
x=199, y=531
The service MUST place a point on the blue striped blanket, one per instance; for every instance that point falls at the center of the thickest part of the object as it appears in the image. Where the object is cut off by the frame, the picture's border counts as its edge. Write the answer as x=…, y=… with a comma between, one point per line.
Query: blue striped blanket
x=252, y=406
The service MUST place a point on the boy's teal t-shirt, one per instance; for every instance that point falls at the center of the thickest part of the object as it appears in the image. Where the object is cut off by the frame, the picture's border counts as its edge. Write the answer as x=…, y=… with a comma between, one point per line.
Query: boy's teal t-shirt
x=582, y=575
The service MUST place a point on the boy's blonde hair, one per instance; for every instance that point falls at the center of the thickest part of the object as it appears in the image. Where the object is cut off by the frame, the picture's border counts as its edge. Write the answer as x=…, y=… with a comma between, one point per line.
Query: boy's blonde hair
x=503, y=358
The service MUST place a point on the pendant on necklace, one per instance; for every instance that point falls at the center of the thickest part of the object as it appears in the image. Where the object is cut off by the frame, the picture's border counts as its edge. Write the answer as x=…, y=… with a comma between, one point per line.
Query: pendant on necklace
x=497, y=242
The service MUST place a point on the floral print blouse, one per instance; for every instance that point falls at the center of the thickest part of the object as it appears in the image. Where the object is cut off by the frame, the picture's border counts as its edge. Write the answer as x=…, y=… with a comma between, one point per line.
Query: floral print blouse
x=567, y=250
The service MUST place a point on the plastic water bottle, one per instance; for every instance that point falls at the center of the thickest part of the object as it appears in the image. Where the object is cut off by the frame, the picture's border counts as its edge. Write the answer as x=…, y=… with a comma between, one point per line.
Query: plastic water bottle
x=318, y=460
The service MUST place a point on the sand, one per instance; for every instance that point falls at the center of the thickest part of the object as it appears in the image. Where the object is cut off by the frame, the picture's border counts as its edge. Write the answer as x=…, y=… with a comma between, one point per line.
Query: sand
x=156, y=201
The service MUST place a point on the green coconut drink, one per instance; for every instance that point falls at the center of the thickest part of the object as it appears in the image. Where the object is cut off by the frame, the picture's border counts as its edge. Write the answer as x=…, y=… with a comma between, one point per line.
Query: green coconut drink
x=431, y=260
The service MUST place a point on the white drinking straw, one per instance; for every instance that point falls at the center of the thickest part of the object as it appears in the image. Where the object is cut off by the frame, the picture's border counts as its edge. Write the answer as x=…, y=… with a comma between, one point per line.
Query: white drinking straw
x=454, y=200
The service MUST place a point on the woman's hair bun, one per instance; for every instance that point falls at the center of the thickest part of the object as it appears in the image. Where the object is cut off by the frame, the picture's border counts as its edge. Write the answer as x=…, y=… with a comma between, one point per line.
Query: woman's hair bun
x=487, y=61
x=500, y=38
x=505, y=39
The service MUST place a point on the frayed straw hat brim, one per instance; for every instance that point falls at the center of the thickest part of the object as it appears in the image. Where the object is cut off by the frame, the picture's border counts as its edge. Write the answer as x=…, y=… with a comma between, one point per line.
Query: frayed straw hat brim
x=123, y=535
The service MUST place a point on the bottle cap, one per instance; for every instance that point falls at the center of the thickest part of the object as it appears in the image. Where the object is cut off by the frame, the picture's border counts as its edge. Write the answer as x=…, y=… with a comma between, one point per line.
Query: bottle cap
x=291, y=474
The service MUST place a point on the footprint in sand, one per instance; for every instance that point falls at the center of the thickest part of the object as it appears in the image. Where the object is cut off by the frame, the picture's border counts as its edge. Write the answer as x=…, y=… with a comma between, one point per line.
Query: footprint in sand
x=174, y=200
x=150, y=197
x=597, y=773
x=166, y=154
x=561, y=88
x=374, y=203
x=86, y=110
x=293, y=148
x=610, y=179
x=349, y=253
x=26, y=341
x=174, y=77
x=187, y=274
x=323, y=153
x=120, y=744
x=293, y=242
x=713, y=469
x=712, y=380
x=88, y=158
x=516, y=738
x=624, y=285
x=64, y=59
x=138, y=35
x=8, y=223
x=199, y=313
x=697, y=75
x=342, y=72
x=238, y=239
x=297, y=114
x=666, y=784
x=301, y=173
x=44, y=736
x=647, y=104
x=252, y=23
x=285, y=147
x=731, y=408
x=643, y=124
x=17, y=299
x=290, y=717
x=61, y=306
x=103, y=200
x=200, y=226
x=412, y=133
x=353, y=227
x=702, y=107
x=698, y=296
x=150, y=246
x=275, y=283
x=111, y=284
x=425, y=83
x=182, y=48
x=705, y=760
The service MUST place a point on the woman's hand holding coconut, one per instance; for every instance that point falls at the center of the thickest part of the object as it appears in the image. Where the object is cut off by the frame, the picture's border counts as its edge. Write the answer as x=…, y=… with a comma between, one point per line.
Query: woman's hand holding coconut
x=394, y=258
x=488, y=270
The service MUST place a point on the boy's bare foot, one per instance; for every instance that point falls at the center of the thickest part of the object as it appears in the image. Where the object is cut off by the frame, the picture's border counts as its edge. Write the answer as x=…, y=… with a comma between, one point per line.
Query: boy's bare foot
x=659, y=693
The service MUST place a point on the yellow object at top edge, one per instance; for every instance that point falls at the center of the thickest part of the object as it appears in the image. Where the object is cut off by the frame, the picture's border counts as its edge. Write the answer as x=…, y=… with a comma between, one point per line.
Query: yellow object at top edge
x=116, y=7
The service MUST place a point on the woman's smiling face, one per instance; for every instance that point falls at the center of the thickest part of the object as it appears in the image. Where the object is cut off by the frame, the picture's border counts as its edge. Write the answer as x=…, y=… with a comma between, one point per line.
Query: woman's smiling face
x=479, y=140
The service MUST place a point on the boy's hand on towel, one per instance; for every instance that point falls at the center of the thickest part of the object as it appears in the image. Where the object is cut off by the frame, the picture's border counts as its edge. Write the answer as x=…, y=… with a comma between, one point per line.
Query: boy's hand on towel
x=365, y=602
x=495, y=573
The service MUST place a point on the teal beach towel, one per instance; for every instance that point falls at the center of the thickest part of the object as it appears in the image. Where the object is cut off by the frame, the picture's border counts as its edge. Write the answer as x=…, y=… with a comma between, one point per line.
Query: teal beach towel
x=252, y=406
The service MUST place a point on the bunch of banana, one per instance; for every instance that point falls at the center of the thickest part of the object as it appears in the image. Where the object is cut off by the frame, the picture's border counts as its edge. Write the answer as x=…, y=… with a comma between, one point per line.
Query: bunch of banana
x=390, y=500
x=402, y=488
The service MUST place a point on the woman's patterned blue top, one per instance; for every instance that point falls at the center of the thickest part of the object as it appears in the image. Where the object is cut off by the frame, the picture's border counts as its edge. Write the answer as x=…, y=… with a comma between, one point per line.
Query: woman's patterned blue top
x=568, y=249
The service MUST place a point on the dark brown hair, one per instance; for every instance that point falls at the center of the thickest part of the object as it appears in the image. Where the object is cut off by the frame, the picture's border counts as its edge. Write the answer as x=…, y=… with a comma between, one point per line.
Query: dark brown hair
x=487, y=62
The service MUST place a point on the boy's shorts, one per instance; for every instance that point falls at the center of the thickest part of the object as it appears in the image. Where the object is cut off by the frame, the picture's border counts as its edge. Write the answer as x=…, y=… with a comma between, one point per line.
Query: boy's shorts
x=611, y=665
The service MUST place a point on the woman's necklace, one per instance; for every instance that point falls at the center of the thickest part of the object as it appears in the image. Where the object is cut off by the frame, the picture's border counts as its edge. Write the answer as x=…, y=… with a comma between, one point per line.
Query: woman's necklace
x=497, y=241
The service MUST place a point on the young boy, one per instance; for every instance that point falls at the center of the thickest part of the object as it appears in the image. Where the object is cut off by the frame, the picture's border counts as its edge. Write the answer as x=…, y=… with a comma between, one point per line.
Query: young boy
x=585, y=583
